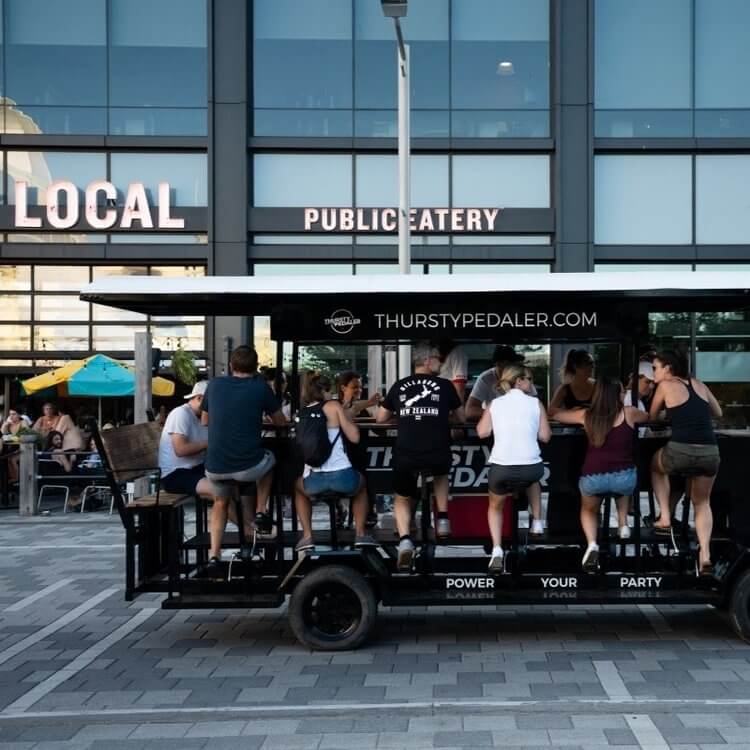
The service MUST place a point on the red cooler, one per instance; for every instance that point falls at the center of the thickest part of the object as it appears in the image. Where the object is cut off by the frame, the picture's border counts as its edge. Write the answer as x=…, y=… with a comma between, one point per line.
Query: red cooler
x=468, y=517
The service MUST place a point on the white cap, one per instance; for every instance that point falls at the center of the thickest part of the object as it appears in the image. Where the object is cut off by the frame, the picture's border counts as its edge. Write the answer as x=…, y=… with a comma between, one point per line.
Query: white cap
x=198, y=389
x=646, y=369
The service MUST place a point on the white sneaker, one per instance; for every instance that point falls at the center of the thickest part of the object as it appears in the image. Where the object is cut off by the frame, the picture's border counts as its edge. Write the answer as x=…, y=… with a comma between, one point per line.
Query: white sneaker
x=405, y=554
x=624, y=532
x=537, y=528
x=496, y=560
x=590, y=560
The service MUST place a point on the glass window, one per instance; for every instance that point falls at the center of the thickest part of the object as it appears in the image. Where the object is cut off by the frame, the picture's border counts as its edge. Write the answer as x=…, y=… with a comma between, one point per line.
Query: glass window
x=722, y=54
x=302, y=60
x=643, y=200
x=187, y=175
x=499, y=61
x=60, y=278
x=56, y=53
x=15, y=338
x=302, y=269
x=103, y=313
x=649, y=268
x=506, y=181
x=62, y=338
x=500, y=239
x=426, y=29
x=643, y=61
x=40, y=168
x=169, y=337
x=100, y=272
x=26, y=119
x=192, y=272
x=302, y=239
x=15, y=278
x=15, y=306
x=163, y=238
x=500, y=268
x=116, y=338
x=378, y=269
x=377, y=181
x=721, y=204
x=158, y=59
x=60, y=307
x=302, y=179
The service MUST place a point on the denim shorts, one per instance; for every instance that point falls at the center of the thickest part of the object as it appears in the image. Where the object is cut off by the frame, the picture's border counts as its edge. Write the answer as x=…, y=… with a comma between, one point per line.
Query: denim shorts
x=343, y=482
x=612, y=483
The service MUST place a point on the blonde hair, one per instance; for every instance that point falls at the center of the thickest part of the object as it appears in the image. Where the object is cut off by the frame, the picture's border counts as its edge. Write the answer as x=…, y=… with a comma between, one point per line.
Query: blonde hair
x=510, y=376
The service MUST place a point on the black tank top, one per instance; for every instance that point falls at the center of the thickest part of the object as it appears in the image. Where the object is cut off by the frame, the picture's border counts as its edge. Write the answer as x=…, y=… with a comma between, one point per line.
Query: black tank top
x=691, y=421
x=571, y=402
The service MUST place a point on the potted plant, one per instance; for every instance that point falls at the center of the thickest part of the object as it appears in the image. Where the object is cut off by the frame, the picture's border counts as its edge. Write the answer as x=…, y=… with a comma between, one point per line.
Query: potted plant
x=27, y=435
x=184, y=366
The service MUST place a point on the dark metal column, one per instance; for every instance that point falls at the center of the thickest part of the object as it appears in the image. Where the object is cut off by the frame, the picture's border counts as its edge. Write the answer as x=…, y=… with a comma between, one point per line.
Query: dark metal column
x=228, y=183
x=573, y=118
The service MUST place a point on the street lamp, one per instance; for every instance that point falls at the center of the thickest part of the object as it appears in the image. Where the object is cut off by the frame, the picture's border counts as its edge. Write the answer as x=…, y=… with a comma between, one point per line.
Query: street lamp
x=396, y=9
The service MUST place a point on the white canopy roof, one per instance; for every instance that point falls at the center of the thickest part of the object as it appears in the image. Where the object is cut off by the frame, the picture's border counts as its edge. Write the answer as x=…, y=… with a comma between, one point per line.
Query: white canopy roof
x=421, y=284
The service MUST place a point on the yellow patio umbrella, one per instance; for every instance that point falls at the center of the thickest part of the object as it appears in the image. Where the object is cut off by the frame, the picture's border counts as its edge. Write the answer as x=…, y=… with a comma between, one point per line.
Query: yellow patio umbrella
x=94, y=376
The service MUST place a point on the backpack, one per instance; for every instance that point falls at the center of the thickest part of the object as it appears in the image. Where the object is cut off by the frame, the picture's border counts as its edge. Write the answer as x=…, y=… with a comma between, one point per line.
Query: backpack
x=312, y=436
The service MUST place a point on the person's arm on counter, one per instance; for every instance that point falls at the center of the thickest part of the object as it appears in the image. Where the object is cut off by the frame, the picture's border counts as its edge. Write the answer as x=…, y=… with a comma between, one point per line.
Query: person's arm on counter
x=545, y=431
x=484, y=426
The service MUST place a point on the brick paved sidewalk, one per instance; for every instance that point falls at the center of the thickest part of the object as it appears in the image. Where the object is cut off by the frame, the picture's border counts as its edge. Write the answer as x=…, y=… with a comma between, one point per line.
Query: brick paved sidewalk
x=79, y=667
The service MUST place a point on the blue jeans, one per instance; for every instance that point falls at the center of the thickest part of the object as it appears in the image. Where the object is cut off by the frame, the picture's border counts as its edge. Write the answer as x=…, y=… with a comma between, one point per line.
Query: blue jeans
x=343, y=482
x=612, y=483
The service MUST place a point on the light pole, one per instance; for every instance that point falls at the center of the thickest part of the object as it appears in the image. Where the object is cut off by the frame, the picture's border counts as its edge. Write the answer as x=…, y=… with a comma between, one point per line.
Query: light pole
x=396, y=9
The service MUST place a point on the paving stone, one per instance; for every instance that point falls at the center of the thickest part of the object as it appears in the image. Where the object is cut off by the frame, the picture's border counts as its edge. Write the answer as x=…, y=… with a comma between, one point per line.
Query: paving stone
x=342, y=741
x=160, y=731
x=216, y=729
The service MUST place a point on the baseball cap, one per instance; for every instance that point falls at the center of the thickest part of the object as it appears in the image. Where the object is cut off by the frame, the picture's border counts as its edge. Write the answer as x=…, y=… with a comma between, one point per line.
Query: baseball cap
x=198, y=389
x=505, y=353
x=646, y=369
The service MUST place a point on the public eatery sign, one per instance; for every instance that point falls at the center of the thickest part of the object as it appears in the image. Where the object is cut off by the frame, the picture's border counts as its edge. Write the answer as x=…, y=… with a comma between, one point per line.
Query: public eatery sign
x=385, y=220
x=64, y=207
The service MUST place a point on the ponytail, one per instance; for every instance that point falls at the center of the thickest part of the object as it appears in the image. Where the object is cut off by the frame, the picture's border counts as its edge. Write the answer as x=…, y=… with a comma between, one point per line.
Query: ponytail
x=509, y=377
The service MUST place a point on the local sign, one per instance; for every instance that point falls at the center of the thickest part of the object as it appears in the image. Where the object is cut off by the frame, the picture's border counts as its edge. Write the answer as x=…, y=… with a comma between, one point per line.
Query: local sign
x=63, y=207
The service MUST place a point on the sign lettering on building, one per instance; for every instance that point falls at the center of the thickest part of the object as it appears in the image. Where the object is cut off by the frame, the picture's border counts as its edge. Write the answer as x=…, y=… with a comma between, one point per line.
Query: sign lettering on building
x=63, y=207
x=385, y=220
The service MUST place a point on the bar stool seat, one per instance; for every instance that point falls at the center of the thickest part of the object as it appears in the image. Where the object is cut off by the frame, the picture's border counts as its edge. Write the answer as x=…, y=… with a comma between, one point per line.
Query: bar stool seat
x=331, y=499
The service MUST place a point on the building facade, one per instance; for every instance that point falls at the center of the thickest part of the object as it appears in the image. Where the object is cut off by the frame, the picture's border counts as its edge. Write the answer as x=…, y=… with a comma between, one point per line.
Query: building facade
x=612, y=135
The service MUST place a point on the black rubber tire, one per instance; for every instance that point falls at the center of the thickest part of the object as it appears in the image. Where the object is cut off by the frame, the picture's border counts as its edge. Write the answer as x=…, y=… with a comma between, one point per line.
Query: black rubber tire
x=333, y=608
x=739, y=606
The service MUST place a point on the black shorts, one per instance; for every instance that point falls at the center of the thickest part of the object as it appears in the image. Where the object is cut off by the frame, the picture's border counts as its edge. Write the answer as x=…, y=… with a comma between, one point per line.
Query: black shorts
x=183, y=481
x=504, y=479
x=406, y=472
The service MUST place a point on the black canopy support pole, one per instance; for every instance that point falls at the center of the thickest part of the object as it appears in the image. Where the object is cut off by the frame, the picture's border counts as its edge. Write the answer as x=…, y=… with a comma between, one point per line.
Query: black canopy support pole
x=295, y=385
x=636, y=449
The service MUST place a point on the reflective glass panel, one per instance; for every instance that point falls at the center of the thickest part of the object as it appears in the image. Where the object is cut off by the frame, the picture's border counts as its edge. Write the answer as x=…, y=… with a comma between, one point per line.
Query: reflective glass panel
x=302, y=239
x=104, y=313
x=60, y=278
x=16, y=278
x=500, y=54
x=377, y=181
x=24, y=119
x=40, y=168
x=721, y=204
x=722, y=54
x=186, y=174
x=302, y=57
x=303, y=179
x=60, y=307
x=426, y=29
x=643, y=52
x=143, y=238
x=501, y=181
x=61, y=338
x=158, y=54
x=383, y=123
x=15, y=337
x=168, y=337
x=507, y=123
x=185, y=271
x=500, y=268
x=15, y=306
x=643, y=200
x=302, y=269
x=500, y=239
x=116, y=338
x=104, y=271
x=76, y=238
x=158, y=121
x=56, y=52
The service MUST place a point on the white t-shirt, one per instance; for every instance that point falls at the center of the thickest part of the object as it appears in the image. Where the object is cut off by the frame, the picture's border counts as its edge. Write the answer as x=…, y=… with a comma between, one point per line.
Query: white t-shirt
x=181, y=421
x=485, y=387
x=628, y=401
x=456, y=366
x=515, y=428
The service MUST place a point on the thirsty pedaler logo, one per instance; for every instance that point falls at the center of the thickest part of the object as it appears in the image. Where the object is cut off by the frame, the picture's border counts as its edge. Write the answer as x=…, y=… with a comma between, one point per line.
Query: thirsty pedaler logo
x=342, y=322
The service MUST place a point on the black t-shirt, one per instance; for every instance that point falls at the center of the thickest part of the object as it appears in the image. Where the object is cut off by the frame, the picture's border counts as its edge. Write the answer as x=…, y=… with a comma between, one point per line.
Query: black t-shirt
x=235, y=407
x=422, y=405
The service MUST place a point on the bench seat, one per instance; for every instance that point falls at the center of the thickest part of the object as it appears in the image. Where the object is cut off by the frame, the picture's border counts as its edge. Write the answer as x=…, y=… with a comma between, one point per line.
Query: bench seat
x=165, y=499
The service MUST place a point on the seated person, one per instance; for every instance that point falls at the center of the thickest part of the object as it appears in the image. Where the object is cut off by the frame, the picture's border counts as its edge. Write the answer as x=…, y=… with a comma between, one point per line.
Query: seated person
x=349, y=393
x=609, y=468
x=645, y=386
x=53, y=451
x=577, y=386
x=233, y=408
x=182, y=447
x=692, y=448
x=424, y=405
x=518, y=421
x=485, y=388
x=336, y=474
x=454, y=364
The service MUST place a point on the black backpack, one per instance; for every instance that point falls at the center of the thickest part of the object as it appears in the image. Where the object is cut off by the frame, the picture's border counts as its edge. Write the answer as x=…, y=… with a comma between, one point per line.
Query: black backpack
x=312, y=436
